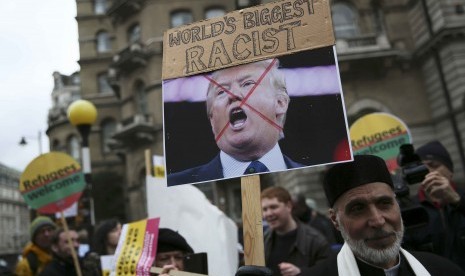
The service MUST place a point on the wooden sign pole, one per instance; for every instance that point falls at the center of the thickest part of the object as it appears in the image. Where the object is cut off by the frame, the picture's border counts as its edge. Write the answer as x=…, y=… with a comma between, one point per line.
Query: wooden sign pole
x=148, y=162
x=254, y=253
x=70, y=243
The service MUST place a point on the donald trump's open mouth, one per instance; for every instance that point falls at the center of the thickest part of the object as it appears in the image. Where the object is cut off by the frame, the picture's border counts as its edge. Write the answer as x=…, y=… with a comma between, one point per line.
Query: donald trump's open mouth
x=237, y=118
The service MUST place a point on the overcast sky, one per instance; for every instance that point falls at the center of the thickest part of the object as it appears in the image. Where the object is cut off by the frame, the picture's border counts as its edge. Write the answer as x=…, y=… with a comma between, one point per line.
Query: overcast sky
x=36, y=39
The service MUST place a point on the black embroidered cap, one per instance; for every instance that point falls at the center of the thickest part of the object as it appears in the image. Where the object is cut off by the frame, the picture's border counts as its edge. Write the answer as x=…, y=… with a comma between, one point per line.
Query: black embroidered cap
x=363, y=170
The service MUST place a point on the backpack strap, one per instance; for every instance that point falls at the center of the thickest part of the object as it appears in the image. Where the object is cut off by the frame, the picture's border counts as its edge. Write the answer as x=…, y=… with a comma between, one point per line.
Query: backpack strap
x=33, y=261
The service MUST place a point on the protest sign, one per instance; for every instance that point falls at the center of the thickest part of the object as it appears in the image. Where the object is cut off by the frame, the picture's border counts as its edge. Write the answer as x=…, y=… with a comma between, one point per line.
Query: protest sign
x=106, y=265
x=235, y=86
x=247, y=35
x=136, y=248
x=158, y=166
x=52, y=182
x=185, y=209
x=380, y=134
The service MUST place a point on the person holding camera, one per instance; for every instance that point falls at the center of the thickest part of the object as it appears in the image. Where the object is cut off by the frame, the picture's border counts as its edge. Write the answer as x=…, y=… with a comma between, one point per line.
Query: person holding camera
x=171, y=250
x=363, y=207
x=444, y=233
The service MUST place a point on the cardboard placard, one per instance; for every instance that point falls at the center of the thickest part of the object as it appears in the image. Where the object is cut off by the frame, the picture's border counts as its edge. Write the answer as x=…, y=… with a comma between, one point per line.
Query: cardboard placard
x=247, y=35
x=278, y=103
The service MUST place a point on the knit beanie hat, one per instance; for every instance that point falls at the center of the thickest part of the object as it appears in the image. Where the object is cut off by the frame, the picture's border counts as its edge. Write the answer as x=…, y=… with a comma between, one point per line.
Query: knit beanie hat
x=436, y=151
x=363, y=170
x=169, y=240
x=38, y=223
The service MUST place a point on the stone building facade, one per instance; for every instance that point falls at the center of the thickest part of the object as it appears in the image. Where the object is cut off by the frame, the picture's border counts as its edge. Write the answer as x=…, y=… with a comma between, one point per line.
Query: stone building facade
x=14, y=216
x=403, y=57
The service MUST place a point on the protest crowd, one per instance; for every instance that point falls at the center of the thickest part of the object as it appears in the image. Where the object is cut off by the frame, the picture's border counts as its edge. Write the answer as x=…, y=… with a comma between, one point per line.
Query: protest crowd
x=367, y=228
x=363, y=232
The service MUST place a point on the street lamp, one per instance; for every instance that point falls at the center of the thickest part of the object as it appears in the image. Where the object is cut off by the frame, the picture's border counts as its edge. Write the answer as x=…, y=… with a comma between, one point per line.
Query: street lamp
x=82, y=114
x=23, y=141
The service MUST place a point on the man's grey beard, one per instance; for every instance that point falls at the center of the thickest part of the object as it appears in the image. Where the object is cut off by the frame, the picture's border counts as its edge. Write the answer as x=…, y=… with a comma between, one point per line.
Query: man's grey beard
x=378, y=257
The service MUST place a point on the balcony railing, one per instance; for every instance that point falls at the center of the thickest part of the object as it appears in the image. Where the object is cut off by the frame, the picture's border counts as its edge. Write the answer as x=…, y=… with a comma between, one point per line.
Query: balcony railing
x=120, y=10
x=136, y=128
x=130, y=58
x=361, y=44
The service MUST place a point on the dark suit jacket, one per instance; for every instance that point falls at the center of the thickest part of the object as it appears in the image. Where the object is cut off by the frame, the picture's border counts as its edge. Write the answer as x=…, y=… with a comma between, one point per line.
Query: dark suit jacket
x=211, y=170
x=435, y=264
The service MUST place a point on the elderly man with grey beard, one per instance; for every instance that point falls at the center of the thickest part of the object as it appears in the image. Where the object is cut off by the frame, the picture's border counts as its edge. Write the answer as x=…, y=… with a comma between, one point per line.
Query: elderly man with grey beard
x=364, y=209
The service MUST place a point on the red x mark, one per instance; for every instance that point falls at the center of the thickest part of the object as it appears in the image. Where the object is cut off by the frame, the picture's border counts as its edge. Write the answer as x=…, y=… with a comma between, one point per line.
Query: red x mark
x=244, y=101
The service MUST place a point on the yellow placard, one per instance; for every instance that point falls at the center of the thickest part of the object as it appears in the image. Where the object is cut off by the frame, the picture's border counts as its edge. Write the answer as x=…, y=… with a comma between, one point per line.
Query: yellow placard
x=379, y=134
x=52, y=182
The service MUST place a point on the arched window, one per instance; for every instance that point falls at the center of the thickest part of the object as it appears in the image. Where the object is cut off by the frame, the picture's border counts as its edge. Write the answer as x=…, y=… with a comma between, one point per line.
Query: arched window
x=108, y=129
x=345, y=20
x=141, y=97
x=214, y=12
x=74, y=147
x=102, y=82
x=134, y=33
x=103, y=42
x=364, y=107
x=352, y=118
x=100, y=6
x=55, y=145
x=181, y=17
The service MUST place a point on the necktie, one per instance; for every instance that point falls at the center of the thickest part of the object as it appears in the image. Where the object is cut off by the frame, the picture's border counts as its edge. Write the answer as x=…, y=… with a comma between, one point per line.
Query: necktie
x=256, y=167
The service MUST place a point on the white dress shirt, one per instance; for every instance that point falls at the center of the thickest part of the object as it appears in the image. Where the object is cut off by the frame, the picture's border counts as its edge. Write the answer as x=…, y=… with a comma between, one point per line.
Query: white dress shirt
x=273, y=160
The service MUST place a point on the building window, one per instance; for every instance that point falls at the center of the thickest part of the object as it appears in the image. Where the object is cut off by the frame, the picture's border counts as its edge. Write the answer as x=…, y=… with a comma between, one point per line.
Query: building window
x=75, y=95
x=214, y=12
x=103, y=42
x=134, y=33
x=108, y=129
x=179, y=18
x=74, y=148
x=345, y=20
x=100, y=6
x=55, y=145
x=103, y=86
x=141, y=97
x=76, y=79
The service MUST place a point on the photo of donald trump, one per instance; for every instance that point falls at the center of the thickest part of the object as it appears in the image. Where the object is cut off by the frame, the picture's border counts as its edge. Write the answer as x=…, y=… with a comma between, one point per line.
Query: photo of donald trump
x=246, y=107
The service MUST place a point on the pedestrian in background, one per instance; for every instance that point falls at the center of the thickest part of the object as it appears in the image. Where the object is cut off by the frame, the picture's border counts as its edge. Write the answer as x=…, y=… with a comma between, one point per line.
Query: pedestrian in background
x=37, y=253
x=106, y=237
x=445, y=204
x=291, y=247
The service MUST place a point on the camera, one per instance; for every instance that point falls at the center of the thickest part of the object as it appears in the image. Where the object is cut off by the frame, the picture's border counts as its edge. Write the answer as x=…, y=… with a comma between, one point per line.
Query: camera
x=413, y=170
x=196, y=263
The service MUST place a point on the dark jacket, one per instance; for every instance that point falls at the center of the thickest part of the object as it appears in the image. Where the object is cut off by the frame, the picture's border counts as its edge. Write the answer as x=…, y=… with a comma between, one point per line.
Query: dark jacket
x=59, y=266
x=310, y=247
x=211, y=171
x=444, y=233
x=436, y=266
